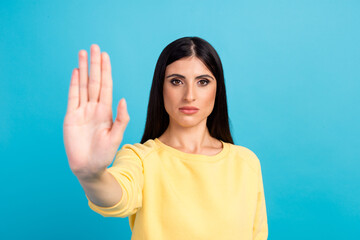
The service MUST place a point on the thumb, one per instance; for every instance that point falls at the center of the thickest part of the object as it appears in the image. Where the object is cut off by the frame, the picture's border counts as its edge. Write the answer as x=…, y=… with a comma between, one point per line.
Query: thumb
x=120, y=123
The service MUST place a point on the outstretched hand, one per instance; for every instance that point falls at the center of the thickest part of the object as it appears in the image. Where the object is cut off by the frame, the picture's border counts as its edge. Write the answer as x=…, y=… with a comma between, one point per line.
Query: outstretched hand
x=91, y=138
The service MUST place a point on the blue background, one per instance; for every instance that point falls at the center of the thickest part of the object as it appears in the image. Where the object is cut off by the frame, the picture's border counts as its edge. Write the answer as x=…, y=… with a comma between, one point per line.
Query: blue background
x=292, y=77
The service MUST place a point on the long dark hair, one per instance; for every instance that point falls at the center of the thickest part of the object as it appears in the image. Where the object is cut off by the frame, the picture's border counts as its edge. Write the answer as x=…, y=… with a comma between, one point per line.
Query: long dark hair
x=157, y=119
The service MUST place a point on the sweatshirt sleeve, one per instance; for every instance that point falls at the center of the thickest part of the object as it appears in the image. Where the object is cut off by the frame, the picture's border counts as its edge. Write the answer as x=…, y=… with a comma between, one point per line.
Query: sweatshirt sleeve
x=260, y=230
x=128, y=171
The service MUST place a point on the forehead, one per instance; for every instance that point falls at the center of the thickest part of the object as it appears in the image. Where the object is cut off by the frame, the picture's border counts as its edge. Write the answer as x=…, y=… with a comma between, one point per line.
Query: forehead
x=188, y=66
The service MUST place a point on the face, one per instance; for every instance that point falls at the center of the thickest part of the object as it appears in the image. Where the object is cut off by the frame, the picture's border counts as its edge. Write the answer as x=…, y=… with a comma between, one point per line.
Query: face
x=189, y=84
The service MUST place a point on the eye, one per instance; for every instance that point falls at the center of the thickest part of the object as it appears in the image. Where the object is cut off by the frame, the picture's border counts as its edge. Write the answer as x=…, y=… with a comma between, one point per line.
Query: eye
x=175, y=81
x=204, y=82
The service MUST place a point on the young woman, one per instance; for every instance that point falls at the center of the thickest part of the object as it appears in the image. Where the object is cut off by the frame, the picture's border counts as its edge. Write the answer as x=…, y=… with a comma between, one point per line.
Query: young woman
x=186, y=179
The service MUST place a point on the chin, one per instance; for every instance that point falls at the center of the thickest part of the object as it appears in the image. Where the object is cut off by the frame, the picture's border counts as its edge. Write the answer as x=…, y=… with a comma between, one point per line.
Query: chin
x=189, y=121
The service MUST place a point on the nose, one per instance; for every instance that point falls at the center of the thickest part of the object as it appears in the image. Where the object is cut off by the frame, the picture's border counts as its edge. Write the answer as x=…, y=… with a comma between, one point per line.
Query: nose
x=189, y=94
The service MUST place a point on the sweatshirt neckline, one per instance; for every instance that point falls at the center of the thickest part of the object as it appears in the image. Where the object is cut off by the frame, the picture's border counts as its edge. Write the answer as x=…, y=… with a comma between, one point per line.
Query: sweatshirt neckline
x=193, y=156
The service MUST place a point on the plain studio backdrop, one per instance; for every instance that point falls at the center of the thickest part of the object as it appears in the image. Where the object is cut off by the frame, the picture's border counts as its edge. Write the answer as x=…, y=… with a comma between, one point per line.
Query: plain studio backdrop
x=292, y=72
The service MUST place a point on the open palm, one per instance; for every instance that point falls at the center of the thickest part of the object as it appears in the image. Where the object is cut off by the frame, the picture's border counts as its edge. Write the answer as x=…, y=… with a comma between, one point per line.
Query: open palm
x=91, y=138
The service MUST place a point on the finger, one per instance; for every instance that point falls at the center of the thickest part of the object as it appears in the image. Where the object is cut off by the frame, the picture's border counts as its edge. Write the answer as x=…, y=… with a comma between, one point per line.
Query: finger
x=121, y=121
x=83, y=69
x=73, y=99
x=95, y=69
x=106, y=80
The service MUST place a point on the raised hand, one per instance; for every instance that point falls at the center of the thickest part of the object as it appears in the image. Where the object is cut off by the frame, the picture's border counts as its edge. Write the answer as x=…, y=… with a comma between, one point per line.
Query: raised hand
x=91, y=138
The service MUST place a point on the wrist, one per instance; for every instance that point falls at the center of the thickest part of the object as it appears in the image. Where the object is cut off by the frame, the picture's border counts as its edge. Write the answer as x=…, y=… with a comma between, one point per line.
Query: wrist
x=90, y=176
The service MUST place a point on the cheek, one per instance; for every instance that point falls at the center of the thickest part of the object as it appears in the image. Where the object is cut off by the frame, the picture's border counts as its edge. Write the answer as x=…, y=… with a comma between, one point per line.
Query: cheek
x=169, y=99
x=210, y=100
x=210, y=96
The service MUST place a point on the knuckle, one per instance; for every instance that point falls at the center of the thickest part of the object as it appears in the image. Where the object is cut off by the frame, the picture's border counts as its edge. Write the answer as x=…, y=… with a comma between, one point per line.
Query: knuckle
x=94, y=80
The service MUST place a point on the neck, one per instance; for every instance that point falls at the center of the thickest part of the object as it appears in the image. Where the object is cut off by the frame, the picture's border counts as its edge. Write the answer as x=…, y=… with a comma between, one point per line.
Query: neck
x=191, y=139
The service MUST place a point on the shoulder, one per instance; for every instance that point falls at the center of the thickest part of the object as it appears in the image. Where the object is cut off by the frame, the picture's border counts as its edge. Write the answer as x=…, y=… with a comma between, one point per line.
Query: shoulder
x=246, y=155
x=140, y=150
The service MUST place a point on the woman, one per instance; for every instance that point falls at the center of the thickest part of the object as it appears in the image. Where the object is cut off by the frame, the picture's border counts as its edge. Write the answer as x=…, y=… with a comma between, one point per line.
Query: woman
x=186, y=179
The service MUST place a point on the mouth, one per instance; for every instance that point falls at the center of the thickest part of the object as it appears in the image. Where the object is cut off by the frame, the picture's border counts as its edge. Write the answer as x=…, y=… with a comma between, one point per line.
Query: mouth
x=189, y=110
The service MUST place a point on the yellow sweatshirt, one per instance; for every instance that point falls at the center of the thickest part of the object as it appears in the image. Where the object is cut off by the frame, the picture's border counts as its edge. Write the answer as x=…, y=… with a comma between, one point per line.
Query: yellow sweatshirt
x=169, y=194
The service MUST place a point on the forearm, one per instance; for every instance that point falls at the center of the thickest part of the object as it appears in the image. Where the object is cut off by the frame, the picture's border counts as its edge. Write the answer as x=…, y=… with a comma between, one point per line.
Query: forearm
x=103, y=191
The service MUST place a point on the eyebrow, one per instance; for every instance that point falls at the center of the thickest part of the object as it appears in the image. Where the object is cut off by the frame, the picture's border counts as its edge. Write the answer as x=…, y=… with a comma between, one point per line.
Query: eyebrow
x=181, y=76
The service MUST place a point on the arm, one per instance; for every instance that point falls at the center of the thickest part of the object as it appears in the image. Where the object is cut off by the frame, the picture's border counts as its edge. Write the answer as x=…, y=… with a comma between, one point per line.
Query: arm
x=104, y=190
x=118, y=193
x=91, y=137
x=260, y=230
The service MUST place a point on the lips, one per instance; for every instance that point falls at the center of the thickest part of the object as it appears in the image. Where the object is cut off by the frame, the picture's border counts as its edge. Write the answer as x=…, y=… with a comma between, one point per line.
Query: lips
x=189, y=110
